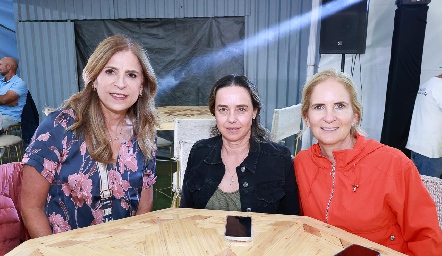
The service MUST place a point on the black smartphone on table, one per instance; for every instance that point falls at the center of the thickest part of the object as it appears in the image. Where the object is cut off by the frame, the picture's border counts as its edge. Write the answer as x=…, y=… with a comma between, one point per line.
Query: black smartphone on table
x=238, y=228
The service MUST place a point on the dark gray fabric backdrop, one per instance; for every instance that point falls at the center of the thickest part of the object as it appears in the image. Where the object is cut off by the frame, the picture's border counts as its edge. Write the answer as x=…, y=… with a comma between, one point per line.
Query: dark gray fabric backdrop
x=186, y=54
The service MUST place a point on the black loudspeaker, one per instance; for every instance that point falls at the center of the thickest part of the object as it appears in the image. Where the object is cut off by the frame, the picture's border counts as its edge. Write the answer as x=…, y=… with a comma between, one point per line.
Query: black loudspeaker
x=344, y=31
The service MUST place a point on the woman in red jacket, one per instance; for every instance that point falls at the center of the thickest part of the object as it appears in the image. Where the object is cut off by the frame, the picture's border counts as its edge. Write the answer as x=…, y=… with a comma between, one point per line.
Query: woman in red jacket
x=358, y=184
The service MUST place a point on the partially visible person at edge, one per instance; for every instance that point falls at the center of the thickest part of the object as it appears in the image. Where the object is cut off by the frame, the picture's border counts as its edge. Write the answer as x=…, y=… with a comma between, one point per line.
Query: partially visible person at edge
x=425, y=137
x=93, y=160
x=359, y=184
x=13, y=91
x=239, y=169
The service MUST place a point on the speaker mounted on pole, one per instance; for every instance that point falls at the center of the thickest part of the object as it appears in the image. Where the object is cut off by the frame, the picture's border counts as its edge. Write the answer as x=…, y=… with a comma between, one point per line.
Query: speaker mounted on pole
x=345, y=31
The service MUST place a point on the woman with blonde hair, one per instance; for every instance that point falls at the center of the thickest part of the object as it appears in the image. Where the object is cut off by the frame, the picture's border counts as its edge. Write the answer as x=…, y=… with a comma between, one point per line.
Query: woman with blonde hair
x=358, y=184
x=93, y=160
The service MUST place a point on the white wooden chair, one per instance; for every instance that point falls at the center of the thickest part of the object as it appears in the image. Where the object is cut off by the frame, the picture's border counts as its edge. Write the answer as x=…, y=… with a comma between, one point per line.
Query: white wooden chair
x=186, y=133
x=434, y=186
x=286, y=122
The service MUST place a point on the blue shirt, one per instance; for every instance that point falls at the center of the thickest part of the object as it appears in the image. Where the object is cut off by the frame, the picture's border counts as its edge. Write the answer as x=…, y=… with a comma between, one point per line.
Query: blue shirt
x=17, y=85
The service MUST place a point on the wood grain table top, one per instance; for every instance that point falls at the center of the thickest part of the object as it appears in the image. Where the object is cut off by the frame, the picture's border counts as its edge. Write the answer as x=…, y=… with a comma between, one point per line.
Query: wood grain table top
x=179, y=231
x=168, y=114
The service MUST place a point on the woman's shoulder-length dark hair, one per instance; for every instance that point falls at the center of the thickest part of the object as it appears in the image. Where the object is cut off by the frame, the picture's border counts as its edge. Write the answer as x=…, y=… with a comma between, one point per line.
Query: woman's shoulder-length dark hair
x=259, y=132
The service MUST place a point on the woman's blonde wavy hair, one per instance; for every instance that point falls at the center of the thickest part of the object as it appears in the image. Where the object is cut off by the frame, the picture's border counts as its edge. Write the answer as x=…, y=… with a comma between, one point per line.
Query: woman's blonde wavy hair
x=89, y=118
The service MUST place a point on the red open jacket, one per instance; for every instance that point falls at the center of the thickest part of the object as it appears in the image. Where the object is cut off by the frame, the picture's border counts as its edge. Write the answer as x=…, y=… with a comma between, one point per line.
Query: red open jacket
x=373, y=191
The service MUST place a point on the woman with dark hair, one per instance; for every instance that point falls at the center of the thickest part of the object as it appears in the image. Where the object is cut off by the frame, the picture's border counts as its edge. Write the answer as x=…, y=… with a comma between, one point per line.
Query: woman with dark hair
x=93, y=160
x=239, y=169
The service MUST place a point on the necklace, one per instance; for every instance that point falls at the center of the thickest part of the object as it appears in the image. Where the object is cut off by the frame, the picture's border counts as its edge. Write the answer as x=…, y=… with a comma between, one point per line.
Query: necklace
x=232, y=177
x=115, y=137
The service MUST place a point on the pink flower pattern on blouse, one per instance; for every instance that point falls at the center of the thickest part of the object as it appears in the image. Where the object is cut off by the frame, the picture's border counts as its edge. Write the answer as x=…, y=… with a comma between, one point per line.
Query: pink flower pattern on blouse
x=98, y=216
x=49, y=169
x=127, y=158
x=58, y=224
x=79, y=187
x=74, y=196
x=117, y=184
x=149, y=179
x=125, y=205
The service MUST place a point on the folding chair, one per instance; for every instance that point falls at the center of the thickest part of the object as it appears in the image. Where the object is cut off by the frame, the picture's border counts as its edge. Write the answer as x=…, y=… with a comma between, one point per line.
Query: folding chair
x=186, y=133
x=286, y=122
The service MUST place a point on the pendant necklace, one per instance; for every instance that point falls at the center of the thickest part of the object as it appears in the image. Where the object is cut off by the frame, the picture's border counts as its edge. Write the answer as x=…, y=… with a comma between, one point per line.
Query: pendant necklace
x=232, y=179
x=116, y=136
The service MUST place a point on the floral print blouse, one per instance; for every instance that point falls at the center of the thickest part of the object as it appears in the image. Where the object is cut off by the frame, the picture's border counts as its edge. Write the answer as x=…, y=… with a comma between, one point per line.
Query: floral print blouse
x=74, y=196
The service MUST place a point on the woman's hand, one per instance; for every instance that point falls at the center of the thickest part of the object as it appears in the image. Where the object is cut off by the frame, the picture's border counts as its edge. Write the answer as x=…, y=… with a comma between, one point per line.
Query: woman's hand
x=146, y=201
